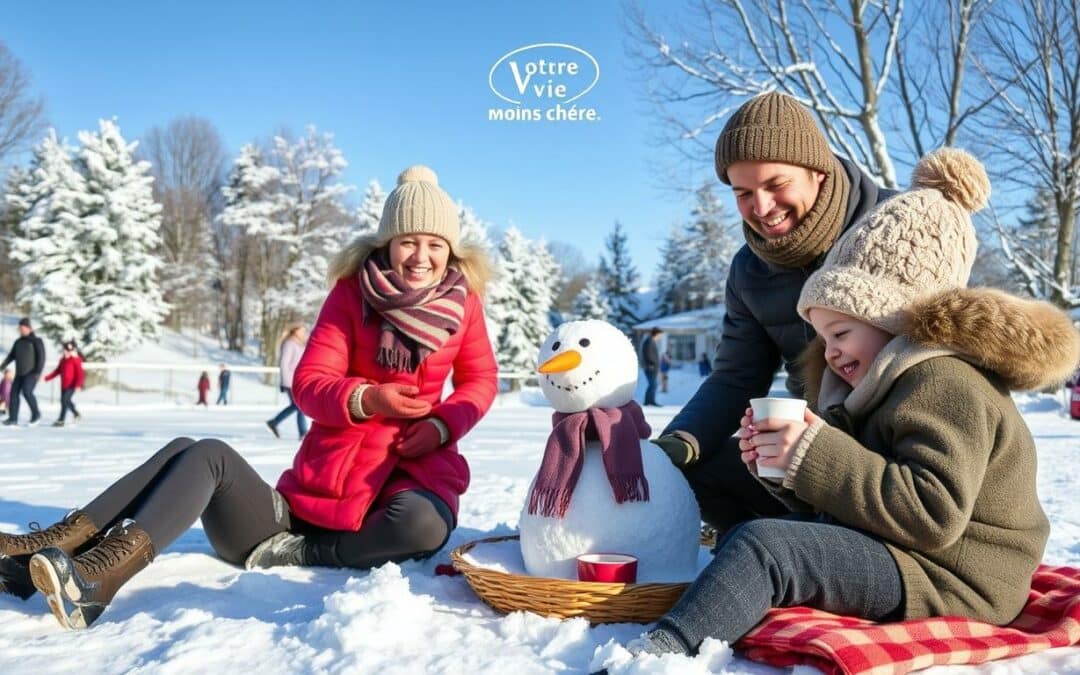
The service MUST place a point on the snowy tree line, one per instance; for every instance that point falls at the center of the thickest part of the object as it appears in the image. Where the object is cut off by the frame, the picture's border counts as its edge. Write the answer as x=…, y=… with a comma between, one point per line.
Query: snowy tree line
x=111, y=239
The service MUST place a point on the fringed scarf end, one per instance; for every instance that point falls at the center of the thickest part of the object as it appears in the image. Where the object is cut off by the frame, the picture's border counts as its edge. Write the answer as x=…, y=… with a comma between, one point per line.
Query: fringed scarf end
x=550, y=503
x=630, y=488
x=394, y=359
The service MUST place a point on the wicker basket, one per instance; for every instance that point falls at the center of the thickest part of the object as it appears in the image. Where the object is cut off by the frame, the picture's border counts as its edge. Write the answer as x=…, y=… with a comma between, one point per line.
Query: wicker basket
x=565, y=598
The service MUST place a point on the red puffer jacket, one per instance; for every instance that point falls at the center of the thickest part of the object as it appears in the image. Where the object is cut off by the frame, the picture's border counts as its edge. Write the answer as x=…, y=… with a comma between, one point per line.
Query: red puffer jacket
x=70, y=371
x=343, y=465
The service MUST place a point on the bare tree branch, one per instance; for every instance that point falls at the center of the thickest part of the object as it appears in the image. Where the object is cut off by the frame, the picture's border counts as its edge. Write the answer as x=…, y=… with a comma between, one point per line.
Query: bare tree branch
x=22, y=117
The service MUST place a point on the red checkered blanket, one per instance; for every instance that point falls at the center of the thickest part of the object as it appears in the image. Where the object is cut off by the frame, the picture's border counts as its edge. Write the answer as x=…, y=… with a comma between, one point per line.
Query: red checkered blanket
x=841, y=644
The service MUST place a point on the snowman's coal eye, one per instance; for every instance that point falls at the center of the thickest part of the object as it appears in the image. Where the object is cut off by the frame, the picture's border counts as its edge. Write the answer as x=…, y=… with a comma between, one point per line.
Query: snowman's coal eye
x=584, y=342
x=555, y=347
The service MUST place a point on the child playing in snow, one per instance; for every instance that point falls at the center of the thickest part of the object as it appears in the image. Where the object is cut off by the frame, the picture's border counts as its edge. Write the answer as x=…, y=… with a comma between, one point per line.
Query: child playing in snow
x=72, y=377
x=913, y=494
x=204, y=387
x=5, y=389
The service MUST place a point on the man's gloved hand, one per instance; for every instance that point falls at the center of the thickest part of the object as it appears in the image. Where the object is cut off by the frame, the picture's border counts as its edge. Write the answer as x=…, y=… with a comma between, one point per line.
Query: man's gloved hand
x=678, y=451
x=420, y=438
x=393, y=400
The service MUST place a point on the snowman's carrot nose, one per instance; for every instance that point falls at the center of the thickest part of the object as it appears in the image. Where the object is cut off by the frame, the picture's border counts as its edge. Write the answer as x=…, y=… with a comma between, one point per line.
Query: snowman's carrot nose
x=562, y=362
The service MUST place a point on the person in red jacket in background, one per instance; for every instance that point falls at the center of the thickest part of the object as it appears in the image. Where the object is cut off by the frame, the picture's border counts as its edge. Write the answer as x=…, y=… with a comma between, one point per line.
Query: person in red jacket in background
x=1072, y=387
x=204, y=389
x=378, y=476
x=70, y=371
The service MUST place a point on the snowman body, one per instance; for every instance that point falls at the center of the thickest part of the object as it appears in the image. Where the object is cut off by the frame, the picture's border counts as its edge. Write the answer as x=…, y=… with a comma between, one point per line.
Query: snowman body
x=663, y=533
x=587, y=364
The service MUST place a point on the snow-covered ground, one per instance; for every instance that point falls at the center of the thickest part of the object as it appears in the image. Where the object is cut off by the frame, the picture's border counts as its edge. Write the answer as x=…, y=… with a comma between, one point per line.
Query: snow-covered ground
x=190, y=612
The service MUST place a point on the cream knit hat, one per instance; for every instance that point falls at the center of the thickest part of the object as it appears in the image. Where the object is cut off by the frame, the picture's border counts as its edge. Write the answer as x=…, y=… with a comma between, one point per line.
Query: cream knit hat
x=910, y=246
x=419, y=206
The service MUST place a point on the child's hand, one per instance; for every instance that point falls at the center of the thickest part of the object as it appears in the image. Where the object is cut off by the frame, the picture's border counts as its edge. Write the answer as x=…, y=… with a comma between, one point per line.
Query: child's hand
x=772, y=441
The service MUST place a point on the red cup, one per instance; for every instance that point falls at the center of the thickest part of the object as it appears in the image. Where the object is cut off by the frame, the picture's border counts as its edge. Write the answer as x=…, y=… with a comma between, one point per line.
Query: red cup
x=610, y=568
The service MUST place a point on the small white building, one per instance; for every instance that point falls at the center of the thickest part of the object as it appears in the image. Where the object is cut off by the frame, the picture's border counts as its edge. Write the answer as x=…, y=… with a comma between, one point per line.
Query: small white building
x=687, y=335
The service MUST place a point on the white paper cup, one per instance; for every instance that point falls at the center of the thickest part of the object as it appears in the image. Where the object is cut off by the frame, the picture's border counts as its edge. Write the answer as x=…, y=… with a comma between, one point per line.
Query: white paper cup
x=780, y=409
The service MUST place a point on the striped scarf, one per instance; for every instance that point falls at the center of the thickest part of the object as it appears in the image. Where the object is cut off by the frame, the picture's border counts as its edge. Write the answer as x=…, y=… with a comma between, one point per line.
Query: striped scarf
x=416, y=321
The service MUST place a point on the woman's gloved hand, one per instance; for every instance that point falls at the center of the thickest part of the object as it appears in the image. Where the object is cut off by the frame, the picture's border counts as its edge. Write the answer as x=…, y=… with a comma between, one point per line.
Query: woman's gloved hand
x=420, y=438
x=392, y=400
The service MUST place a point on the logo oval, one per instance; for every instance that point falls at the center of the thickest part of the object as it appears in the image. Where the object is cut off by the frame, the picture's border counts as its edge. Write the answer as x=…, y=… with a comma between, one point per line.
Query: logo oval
x=519, y=77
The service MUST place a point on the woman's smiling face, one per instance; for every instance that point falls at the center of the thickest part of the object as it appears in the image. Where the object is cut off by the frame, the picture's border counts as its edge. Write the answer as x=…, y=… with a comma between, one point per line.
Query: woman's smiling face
x=851, y=345
x=419, y=259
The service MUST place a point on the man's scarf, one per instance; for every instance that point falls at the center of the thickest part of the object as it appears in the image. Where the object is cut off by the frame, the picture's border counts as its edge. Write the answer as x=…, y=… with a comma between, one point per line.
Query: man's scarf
x=619, y=431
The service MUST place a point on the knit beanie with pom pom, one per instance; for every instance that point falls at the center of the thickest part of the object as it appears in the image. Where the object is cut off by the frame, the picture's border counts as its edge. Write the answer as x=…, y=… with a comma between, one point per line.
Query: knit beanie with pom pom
x=910, y=246
x=419, y=206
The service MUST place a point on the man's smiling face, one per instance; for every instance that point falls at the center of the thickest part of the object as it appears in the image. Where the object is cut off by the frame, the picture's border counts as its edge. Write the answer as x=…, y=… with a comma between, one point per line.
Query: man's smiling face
x=773, y=197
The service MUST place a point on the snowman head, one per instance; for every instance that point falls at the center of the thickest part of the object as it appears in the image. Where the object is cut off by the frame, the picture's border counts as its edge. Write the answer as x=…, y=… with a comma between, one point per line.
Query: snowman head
x=587, y=364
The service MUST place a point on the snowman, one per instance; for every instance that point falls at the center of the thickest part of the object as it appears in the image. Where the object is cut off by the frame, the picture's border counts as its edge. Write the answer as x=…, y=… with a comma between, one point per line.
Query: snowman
x=602, y=486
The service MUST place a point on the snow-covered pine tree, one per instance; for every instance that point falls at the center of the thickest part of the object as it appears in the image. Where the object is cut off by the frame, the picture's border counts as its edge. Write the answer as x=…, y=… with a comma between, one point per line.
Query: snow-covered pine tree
x=590, y=302
x=545, y=284
x=619, y=281
x=314, y=223
x=474, y=230
x=671, y=272
x=710, y=248
x=289, y=204
x=1036, y=233
x=695, y=258
x=118, y=236
x=520, y=302
x=10, y=217
x=370, y=211
x=50, y=200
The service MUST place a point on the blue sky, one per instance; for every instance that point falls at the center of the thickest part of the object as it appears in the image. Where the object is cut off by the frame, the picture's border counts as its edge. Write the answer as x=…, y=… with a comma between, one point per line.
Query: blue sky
x=397, y=84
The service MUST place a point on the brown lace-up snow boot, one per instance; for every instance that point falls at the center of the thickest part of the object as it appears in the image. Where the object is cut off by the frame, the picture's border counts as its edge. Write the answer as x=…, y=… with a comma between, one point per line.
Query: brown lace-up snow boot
x=79, y=589
x=69, y=535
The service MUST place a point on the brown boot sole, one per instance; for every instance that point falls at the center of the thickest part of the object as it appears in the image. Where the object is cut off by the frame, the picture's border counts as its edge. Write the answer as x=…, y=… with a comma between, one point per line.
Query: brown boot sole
x=47, y=582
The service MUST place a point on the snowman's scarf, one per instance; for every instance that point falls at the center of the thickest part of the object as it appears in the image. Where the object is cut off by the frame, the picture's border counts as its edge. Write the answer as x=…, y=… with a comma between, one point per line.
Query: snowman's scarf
x=619, y=431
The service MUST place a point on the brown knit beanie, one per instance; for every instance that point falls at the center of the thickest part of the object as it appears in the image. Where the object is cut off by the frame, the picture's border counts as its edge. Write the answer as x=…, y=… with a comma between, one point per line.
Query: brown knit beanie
x=419, y=206
x=772, y=128
x=910, y=246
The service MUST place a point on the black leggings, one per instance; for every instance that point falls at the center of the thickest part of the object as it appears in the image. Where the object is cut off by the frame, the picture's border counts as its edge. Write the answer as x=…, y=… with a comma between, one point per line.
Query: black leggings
x=189, y=479
x=66, y=403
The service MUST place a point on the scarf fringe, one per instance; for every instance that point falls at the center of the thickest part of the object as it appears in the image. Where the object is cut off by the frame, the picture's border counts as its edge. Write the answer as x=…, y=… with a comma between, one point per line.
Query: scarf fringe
x=394, y=359
x=629, y=488
x=550, y=503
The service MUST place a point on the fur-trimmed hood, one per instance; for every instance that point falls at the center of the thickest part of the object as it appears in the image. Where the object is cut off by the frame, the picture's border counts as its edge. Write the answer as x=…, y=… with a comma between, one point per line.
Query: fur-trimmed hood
x=1030, y=344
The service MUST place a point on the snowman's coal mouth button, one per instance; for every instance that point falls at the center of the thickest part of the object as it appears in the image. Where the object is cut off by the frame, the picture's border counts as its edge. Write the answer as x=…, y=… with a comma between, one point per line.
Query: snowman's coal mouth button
x=572, y=387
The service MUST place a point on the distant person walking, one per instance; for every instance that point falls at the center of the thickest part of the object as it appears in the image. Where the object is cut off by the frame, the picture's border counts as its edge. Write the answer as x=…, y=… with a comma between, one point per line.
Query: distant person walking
x=1072, y=388
x=5, y=389
x=71, y=375
x=289, y=352
x=204, y=388
x=28, y=353
x=704, y=366
x=650, y=363
x=224, y=375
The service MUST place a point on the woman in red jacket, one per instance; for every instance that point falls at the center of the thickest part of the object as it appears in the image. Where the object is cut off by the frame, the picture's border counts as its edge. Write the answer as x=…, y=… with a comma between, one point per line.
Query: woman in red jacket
x=70, y=371
x=378, y=476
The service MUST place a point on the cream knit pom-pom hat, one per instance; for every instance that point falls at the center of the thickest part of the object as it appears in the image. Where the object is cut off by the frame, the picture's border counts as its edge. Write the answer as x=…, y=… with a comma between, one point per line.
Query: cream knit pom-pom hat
x=419, y=206
x=910, y=246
